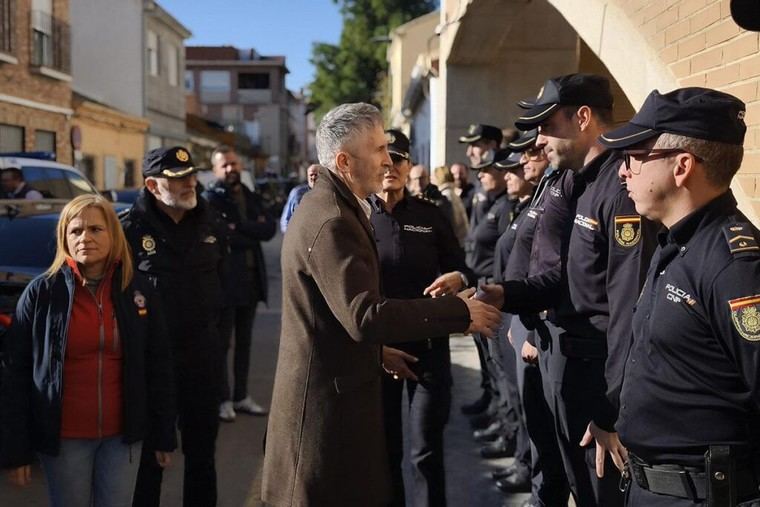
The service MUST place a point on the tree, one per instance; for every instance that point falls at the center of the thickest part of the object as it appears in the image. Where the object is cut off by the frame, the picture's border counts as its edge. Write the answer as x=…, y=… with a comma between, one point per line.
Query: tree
x=353, y=70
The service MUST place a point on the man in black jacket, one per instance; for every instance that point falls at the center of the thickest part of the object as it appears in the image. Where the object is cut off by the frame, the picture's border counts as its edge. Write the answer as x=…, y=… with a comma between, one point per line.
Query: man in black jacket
x=245, y=283
x=177, y=243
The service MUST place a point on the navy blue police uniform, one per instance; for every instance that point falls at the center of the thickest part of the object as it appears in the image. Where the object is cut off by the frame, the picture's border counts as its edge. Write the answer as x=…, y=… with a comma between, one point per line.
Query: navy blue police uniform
x=416, y=244
x=185, y=262
x=690, y=398
x=591, y=293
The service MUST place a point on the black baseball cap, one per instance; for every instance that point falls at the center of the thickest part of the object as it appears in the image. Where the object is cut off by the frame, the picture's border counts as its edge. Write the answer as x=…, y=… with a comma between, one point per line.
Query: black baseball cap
x=398, y=143
x=746, y=14
x=173, y=162
x=570, y=90
x=526, y=141
x=511, y=162
x=693, y=112
x=478, y=131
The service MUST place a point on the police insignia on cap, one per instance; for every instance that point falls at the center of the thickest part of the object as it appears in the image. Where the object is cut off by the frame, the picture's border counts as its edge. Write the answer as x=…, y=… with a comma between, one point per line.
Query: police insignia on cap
x=139, y=300
x=182, y=156
x=746, y=317
x=391, y=137
x=627, y=230
x=540, y=92
x=472, y=130
x=149, y=244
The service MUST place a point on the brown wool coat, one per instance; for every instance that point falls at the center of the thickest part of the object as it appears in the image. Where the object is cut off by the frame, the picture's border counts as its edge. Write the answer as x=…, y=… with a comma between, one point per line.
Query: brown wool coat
x=325, y=442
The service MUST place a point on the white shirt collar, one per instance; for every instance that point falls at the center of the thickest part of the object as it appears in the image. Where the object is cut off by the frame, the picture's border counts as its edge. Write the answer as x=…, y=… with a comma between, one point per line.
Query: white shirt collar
x=365, y=206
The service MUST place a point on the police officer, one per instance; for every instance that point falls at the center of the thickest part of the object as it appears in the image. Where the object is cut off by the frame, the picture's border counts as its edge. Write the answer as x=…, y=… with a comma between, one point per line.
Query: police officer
x=482, y=142
x=176, y=241
x=691, y=392
x=548, y=479
x=592, y=291
x=419, y=254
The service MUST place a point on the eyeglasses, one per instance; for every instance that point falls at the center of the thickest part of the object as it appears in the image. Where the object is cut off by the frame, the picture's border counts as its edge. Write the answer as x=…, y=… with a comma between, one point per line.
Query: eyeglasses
x=535, y=153
x=651, y=154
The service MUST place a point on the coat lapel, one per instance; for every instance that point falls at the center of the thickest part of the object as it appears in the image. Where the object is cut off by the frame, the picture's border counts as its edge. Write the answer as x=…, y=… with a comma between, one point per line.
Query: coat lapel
x=342, y=190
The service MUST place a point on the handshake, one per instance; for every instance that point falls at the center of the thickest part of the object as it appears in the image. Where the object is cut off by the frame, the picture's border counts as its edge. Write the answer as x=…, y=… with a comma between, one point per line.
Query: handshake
x=485, y=309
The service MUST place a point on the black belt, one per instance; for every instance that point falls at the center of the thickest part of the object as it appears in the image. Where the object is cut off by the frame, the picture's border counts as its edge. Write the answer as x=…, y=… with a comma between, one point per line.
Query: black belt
x=684, y=482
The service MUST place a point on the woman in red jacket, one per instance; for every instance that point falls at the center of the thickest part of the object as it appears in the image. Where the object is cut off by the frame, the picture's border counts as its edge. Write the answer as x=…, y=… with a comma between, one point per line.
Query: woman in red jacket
x=88, y=373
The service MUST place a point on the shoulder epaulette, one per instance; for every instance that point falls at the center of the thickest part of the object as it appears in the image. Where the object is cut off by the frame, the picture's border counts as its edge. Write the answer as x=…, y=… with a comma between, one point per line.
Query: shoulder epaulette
x=740, y=237
x=124, y=213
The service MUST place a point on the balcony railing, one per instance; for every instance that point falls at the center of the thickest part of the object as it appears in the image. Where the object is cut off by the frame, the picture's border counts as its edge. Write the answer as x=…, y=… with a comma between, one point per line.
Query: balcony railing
x=51, y=42
x=7, y=27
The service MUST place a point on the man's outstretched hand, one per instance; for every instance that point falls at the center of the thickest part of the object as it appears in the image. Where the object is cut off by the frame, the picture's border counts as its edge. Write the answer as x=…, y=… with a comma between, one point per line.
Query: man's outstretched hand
x=493, y=294
x=484, y=318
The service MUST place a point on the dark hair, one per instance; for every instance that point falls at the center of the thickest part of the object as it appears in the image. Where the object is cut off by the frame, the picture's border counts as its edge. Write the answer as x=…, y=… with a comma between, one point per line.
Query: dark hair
x=14, y=171
x=223, y=149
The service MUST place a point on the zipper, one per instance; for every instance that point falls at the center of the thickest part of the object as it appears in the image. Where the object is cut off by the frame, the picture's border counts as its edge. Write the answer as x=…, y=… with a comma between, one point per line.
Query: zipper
x=101, y=347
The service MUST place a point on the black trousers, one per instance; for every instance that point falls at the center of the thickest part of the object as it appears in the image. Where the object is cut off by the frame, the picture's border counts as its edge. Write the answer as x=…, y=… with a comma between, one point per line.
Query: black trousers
x=428, y=412
x=569, y=384
x=549, y=482
x=198, y=378
x=240, y=320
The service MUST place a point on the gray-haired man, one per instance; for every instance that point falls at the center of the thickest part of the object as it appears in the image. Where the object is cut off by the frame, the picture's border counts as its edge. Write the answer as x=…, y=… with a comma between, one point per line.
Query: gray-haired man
x=325, y=442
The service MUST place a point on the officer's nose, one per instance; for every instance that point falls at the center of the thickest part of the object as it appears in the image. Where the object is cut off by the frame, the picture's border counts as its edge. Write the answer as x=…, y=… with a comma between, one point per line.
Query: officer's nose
x=541, y=141
x=623, y=172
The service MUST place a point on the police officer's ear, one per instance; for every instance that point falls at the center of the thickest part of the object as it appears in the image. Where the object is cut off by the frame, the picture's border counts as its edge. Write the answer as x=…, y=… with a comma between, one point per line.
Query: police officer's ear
x=151, y=184
x=685, y=169
x=583, y=118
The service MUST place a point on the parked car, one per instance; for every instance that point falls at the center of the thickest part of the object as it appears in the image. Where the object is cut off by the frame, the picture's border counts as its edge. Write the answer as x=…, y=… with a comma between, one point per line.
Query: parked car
x=54, y=180
x=123, y=195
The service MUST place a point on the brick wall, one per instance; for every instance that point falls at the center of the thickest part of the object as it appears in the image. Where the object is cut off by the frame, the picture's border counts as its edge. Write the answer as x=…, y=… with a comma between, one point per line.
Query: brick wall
x=702, y=46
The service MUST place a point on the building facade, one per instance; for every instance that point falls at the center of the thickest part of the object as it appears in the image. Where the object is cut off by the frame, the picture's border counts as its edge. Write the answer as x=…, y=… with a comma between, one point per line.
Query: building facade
x=245, y=92
x=164, y=70
x=35, y=77
x=108, y=110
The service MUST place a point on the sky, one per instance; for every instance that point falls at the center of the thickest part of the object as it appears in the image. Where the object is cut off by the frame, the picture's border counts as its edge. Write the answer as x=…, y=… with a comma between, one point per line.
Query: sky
x=271, y=27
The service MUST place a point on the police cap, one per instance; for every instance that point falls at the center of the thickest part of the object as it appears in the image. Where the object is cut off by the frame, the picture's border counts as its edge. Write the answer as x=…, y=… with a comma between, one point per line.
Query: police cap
x=746, y=14
x=526, y=141
x=398, y=144
x=570, y=90
x=168, y=163
x=510, y=163
x=692, y=112
x=490, y=158
x=478, y=131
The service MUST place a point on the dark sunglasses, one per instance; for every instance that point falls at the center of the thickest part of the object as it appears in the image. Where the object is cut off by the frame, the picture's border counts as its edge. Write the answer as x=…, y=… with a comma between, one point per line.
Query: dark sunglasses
x=651, y=154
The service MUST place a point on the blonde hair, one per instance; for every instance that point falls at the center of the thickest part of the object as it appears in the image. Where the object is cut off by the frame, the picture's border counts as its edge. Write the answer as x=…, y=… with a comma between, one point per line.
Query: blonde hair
x=119, y=246
x=442, y=174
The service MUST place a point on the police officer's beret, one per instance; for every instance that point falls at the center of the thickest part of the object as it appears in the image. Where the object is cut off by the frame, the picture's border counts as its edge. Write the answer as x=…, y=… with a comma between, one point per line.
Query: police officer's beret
x=168, y=163
x=478, y=131
x=746, y=14
x=510, y=162
x=489, y=159
x=398, y=143
x=570, y=90
x=525, y=141
x=693, y=112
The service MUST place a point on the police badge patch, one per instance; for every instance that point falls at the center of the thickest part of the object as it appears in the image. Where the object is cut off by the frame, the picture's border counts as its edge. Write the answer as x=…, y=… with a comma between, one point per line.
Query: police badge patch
x=746, y=317
x=149, y=244
x=627, y=230
x=182, y=156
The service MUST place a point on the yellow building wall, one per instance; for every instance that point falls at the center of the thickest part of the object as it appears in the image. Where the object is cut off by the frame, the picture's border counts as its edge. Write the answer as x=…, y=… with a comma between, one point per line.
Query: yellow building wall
x=104, y=136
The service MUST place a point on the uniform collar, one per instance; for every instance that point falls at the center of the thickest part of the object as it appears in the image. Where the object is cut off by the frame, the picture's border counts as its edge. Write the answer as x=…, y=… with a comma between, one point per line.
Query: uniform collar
x=684, y=229
x=590, y=171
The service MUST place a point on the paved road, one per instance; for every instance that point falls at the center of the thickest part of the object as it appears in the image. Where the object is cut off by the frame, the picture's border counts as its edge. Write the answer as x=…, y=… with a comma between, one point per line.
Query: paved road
x=239, y=449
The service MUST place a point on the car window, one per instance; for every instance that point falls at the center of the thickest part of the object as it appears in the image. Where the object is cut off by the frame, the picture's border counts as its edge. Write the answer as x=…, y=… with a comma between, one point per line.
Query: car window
x=37, y=178
x=51, y=182
x=79, y=185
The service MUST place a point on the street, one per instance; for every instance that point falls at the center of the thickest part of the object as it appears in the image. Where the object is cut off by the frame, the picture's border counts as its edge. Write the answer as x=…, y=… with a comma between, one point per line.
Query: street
x=239, y=447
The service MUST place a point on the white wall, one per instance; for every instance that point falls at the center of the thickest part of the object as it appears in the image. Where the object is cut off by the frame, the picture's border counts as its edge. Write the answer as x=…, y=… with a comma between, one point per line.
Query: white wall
x=107, y=52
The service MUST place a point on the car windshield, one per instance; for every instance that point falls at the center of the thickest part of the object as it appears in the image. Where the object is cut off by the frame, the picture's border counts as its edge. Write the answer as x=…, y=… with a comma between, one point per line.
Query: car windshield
x=27, y=242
